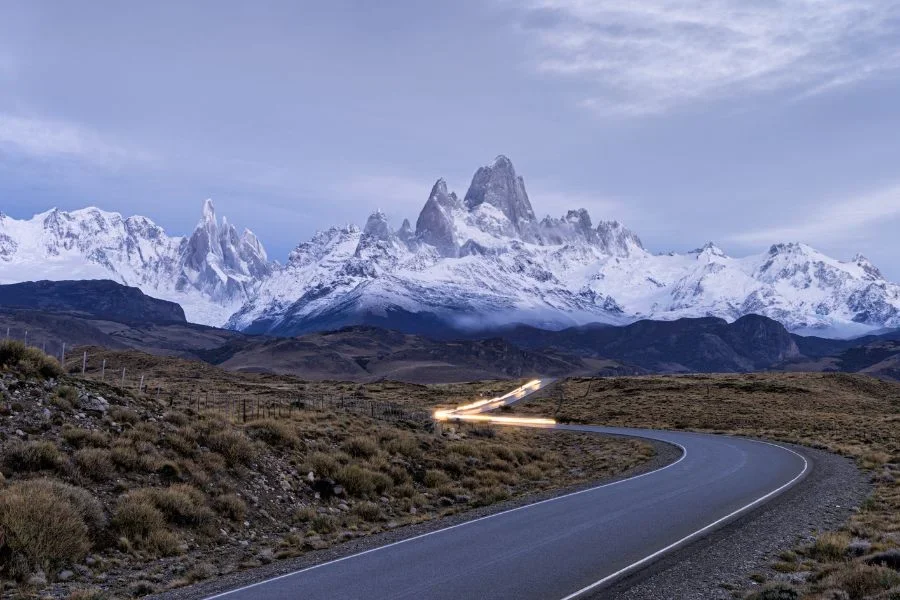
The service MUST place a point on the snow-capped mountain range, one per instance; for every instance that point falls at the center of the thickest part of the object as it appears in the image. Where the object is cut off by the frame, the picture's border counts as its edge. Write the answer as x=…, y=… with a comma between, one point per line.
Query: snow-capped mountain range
x=211, y=273
x=481, y=261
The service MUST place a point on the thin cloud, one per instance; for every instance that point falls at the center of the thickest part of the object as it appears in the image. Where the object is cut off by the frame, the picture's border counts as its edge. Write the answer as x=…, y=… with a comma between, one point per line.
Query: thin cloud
x=399, y=196
x=652, y=56
x=548, y=200
x=52, y=139
x=841, y=220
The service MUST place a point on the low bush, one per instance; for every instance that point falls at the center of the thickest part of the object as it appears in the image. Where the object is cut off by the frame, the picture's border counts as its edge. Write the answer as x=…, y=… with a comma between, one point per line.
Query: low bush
x=94, y=463
x=274, y=433
x=303, y=514
x=32, y=456
x=28, y=361
x=356, y=480
x=435, y=478
x=48, y=523
x=830, y=546
x=231, y=506
x=406, y=445
x=323, y=524
x=144, y=525
x=361, y=447
x=236, y=448
x=136, y=516
x=863, y=581
x=367, y=511
x=85, y=438
x=324, y=465
x=121, y=414
x=181, y=504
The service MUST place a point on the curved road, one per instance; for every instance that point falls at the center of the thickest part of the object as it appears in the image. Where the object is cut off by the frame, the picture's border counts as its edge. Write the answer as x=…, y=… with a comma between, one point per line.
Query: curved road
x=565, y=547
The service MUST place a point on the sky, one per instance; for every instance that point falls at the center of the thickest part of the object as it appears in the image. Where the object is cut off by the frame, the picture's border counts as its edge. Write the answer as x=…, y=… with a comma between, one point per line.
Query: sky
x=743, y=123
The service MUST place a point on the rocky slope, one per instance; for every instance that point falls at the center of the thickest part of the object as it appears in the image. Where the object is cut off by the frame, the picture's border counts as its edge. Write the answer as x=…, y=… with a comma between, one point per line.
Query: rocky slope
x=102, y=299
x=471, y=263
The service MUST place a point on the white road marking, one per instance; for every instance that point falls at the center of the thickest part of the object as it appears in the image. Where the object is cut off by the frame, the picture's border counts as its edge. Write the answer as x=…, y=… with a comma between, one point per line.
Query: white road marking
x=699, y=532
x=445, y=529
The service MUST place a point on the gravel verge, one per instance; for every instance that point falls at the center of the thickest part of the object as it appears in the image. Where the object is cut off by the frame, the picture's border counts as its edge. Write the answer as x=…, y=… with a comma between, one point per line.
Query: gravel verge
x=665, y=454
x=719, y=566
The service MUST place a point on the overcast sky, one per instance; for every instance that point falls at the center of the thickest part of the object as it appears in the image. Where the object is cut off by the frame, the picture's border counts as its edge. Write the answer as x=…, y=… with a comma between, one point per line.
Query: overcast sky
x=744, y=123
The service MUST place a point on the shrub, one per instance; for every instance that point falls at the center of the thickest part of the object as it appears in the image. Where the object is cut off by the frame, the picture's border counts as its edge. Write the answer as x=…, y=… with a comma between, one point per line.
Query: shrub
x=65, y=397
x=323, y=524
x=464, y=449
x=94, y=463
x=356, y=480
x=235, y=447
x=135, y=457
x=405, y=490
x=28, y=361
x=32, y=456
x=183, y=441
x=231, y=506
x=304, y=514
x=492, y=494
x=830, y=546
x=121, y=414
x=383, y=483
x=274, y=433
x=862, y=581
x=406, y=445
x=82, y=438
x=137, y=517
x=361, y=447
x=435, y=478
x=532, y=472
x=45, y=522
x=367, y=511
x=181, y=504
x=324, y=465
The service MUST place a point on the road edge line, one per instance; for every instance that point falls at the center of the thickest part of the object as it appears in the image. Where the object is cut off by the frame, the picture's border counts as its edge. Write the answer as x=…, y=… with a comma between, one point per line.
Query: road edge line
x=649, y=558
x=458, y=525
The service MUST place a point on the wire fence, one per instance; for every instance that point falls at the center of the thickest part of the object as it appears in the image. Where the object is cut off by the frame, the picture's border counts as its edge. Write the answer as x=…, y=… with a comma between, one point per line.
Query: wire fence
x=236, y=406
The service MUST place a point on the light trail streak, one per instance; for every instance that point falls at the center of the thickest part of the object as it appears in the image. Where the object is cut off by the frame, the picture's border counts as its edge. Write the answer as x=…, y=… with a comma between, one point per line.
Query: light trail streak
x=471, y=411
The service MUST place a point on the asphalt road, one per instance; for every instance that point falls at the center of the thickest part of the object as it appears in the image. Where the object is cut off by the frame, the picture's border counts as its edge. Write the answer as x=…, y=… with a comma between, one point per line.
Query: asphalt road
x=565, y=547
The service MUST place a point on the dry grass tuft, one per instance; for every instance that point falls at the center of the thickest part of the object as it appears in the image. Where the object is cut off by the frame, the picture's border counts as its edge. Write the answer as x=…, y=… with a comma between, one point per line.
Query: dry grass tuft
x=47, y=523
x=234, y=447
x=28, y=361
x=94, y=463
x=32, y=456
x=274, y=433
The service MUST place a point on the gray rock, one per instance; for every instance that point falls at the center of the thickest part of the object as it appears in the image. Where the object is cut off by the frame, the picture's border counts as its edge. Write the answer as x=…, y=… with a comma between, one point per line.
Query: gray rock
x=65, y=575
x=94, y=404
x=497, y=184
x=377, y=227
x=435, y=223
x=37, y=579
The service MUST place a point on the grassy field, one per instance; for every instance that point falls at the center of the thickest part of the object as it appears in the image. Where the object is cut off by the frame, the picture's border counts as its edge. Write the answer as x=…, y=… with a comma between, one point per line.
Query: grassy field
x=852, y=415
x=110, y=492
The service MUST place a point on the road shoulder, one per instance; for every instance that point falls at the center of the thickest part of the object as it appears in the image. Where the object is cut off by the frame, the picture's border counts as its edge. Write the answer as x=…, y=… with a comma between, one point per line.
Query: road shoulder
x=665, y=455
x=724, y=561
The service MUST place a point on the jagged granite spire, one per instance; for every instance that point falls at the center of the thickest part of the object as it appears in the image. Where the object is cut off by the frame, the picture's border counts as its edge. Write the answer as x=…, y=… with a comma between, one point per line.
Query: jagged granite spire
x=377, y=226
x=435, y=223
x=498, y=185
